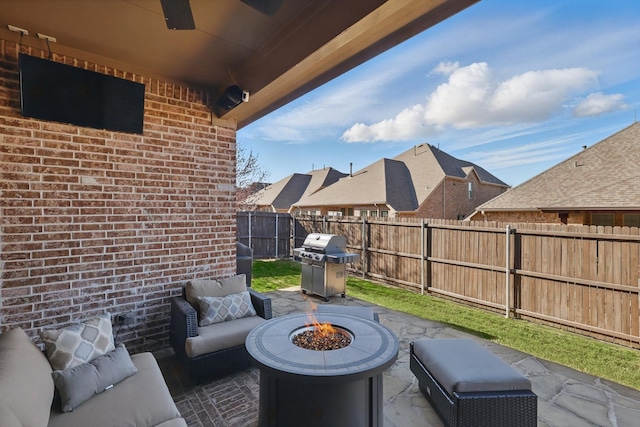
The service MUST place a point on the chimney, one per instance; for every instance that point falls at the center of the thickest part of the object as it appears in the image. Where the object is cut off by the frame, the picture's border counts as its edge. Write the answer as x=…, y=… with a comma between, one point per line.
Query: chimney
x=350, y=169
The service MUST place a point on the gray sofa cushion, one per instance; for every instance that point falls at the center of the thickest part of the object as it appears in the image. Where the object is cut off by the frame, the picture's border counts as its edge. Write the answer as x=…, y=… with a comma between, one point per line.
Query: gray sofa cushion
x=141, y=400
x=7, y=416
x=26, y=386
x=80, y=383
x=220, y=336
x=462, y=365
x=176, y=422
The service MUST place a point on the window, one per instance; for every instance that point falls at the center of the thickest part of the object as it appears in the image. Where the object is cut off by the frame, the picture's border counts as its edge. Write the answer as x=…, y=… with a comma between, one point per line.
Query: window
x=631, y=220
x=363, y=212
x=373, y=213
x=347, y=211
x=470, y=190
x=602, y=219
x=384, y=214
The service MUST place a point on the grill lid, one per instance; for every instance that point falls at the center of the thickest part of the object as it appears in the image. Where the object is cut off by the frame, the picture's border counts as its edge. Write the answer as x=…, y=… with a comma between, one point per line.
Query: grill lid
x=325, y=243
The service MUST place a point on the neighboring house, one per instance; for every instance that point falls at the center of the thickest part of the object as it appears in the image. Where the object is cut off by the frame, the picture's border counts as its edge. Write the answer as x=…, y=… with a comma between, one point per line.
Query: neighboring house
x=280, y=196
x=598, y=186
x=421, y=182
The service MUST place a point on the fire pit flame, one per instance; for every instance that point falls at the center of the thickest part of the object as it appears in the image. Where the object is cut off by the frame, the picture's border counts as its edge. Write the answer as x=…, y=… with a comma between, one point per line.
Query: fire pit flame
x=320, y=336
x=319, y=329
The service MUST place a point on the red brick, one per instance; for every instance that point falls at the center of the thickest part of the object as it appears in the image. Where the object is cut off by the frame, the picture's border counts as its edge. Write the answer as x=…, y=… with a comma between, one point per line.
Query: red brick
x=124, y=219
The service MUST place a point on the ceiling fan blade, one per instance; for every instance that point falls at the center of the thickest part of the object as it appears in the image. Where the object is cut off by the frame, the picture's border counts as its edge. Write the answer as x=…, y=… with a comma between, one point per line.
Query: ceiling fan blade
x=268, y=7
x=178, y=14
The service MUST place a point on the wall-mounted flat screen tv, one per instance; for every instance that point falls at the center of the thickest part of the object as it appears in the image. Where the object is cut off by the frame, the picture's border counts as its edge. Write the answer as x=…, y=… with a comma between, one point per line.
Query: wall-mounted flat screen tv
x=62, y=93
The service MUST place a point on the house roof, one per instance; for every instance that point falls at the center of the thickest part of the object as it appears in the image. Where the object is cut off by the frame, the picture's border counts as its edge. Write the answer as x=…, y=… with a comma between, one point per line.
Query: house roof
x=277, y=57
x=287, y=191
x=383, y=182
x=403, y=182
x=430, y=165
x=603, y=176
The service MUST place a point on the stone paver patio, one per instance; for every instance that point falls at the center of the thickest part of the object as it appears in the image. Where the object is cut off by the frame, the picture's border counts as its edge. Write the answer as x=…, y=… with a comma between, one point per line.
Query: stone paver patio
x=565, y=397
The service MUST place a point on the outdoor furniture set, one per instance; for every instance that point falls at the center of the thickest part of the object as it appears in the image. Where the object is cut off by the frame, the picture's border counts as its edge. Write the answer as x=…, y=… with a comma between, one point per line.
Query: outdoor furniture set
x=99, y=384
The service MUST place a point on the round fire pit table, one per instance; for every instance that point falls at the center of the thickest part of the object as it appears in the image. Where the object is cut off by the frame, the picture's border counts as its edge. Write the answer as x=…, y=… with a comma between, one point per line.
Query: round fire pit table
x=300, y=387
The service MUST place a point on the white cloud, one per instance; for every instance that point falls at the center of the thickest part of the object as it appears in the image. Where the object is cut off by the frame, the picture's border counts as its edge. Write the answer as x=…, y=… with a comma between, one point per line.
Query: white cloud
x=408, y=124
x=445, y=68
x=474, y=97
x=598, y=103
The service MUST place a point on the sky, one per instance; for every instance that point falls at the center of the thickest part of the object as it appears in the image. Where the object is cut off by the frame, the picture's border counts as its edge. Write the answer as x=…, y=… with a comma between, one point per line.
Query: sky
x=512, y=86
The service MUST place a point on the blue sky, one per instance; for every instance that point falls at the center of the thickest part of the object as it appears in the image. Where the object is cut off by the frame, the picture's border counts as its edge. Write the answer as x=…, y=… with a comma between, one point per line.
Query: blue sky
x=513, y=86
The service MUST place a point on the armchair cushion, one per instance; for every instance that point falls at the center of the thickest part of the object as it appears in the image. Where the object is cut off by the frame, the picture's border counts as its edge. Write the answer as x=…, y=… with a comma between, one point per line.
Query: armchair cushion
x=221, y=336
x=221, y=309
x=214, y=288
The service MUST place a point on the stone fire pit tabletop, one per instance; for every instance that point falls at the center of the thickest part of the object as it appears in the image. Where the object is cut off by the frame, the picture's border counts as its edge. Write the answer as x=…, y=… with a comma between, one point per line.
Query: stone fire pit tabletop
x=373, y=349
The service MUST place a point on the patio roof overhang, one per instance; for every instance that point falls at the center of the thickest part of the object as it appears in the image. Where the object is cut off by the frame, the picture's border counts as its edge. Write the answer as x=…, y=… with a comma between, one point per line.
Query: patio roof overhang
x=275, y=58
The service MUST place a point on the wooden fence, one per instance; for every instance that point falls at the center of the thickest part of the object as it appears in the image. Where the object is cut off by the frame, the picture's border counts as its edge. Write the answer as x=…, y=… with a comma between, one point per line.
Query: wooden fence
x=267, y=233
x=584, y=279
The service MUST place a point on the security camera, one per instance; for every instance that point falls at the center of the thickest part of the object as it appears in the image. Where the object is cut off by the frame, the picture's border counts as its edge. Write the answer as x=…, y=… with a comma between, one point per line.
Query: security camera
x=245, y=96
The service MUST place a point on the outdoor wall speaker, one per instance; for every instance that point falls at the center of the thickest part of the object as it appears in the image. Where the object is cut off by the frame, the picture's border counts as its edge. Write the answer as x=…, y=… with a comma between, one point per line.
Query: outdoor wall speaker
x=231, y=97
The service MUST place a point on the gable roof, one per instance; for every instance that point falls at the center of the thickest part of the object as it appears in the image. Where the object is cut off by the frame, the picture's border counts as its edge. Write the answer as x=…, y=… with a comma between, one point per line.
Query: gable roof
x=403, y=182
x=287, y=191
x=382, y=182
x=429, y=166
x=603, y=176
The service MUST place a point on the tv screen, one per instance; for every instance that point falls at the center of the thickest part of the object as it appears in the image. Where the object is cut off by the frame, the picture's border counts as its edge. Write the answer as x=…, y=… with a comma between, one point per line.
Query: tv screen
x=62, y=93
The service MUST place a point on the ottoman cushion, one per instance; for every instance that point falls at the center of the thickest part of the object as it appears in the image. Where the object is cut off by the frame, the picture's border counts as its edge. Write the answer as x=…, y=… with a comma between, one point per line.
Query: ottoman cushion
x=462, y=365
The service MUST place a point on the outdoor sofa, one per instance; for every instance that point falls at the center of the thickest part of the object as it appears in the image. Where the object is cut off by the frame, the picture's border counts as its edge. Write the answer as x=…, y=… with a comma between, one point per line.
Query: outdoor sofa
x=142, y=399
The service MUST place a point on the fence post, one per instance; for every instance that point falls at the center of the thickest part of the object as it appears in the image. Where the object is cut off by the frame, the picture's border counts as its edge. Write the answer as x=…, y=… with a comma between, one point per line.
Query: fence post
x=249, y=227
x=422, y=261
x=293, y=236
x=507, y=271
x=276, y=236
x=364, y=247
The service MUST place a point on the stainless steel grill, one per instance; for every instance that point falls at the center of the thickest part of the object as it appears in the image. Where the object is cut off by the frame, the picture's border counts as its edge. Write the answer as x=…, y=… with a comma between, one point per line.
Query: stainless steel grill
x=324, y=259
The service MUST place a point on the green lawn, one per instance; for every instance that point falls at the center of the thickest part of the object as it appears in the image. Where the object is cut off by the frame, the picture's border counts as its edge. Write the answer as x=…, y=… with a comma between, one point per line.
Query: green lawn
x=601, y=359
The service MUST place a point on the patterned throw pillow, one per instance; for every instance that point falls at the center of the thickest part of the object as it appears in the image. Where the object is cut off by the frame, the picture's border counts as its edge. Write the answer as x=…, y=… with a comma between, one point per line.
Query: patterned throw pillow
x=77, y=344
x=221, y=309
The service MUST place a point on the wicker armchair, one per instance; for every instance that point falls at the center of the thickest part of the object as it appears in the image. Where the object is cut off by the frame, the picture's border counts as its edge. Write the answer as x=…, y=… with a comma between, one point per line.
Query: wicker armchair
x=184, y=324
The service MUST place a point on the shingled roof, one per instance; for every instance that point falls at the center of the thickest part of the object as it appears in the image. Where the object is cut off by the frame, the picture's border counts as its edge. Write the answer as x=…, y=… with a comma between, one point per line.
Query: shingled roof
x=603, y=176
x=284, y=193
x=402, y=183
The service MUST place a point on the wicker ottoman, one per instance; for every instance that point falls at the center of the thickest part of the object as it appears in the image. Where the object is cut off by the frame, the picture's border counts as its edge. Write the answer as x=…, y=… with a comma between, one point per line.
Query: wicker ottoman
x=469, y=386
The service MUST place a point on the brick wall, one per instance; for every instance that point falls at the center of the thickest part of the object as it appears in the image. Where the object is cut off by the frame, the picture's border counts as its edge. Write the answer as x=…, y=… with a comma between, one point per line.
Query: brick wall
x=94, y=221
x=451, y=198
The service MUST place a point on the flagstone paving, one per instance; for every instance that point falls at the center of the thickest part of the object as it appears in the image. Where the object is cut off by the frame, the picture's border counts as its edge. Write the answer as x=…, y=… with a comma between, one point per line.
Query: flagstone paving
x=565, y=397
